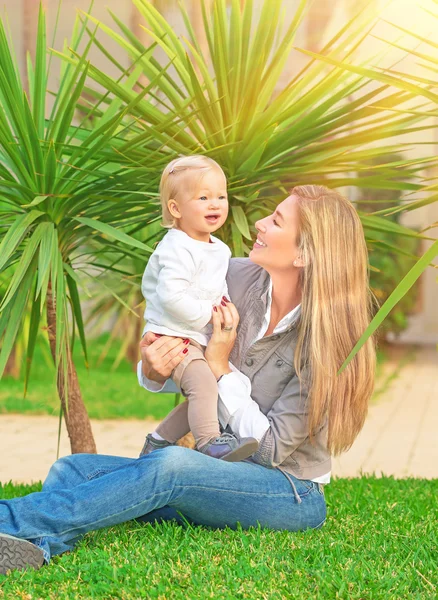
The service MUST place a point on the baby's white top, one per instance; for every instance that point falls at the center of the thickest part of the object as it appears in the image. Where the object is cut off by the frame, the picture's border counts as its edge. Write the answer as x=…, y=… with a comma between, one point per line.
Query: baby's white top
x=182, y=281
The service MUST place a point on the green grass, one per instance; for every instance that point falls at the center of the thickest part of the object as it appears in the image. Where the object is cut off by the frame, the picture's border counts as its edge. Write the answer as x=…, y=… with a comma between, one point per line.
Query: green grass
x=379, y=541
x=108, y=393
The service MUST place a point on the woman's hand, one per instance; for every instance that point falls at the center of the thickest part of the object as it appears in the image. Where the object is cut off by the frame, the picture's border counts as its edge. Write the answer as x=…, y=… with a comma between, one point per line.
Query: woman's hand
x=225, y=321
x=160, y=354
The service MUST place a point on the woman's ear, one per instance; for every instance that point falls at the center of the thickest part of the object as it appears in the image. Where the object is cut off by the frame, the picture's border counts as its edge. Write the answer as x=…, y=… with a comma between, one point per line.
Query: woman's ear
x=173, y=207
x=299, y=262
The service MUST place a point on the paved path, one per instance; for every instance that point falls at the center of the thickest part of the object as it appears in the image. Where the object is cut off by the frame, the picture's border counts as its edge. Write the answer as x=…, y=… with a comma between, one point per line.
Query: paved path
x=399, y=437
x=28, y=443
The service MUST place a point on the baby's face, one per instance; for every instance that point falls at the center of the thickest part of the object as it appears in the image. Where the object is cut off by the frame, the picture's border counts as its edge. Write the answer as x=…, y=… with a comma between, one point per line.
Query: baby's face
x=204, y=208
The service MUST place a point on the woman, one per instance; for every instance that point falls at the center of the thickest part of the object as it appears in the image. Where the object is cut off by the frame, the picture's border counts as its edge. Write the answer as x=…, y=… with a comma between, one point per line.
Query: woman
x=304, y=301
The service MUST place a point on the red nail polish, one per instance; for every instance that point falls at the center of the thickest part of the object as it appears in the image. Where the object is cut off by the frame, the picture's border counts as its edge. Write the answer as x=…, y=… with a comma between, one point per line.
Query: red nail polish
x=186, y=342
x=185, y=350
x=226, y=299
x=223, y=303
x=215, y=308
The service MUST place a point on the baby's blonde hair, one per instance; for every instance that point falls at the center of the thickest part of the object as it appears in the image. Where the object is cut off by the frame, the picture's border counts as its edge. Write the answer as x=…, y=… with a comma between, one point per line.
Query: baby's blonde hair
x=174, y=177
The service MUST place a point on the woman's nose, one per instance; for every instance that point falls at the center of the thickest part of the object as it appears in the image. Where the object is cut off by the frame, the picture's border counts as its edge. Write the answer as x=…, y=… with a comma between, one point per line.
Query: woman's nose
x=259, y=225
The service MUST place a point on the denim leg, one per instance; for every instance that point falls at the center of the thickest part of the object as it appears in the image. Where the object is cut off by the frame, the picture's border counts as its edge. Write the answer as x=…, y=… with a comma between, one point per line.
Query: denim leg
x=67, y=474
x=111, y=490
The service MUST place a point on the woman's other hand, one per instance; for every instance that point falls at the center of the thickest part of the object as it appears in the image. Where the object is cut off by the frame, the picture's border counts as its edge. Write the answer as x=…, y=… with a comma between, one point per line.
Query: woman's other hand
x=160, y=354
x=225, y=321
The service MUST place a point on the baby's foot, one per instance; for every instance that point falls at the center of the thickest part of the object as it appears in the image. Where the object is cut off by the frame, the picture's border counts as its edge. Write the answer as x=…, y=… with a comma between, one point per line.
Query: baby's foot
x=230, y=448
x=152, y=444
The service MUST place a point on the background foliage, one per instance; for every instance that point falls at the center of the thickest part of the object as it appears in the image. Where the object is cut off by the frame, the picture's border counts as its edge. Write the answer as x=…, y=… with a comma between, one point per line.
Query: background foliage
x=79, y=210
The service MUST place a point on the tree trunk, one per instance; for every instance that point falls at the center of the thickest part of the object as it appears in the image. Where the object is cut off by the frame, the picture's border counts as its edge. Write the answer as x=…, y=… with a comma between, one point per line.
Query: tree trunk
x=12, y=367
x=75, y=414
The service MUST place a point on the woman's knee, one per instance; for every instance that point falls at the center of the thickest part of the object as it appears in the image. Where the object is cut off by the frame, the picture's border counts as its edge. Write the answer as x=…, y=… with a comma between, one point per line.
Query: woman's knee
x=172, y=460
x=65, y=472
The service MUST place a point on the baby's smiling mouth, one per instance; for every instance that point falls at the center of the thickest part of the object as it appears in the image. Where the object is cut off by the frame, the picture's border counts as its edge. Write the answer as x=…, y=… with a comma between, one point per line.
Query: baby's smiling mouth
x=212, y=218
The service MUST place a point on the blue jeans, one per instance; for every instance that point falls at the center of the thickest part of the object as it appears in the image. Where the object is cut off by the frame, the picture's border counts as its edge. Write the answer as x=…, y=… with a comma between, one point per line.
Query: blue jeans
x=84, y=492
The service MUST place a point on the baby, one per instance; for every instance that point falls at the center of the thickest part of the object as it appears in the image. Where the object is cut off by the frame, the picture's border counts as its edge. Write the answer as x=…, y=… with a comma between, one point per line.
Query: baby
x=183, y=280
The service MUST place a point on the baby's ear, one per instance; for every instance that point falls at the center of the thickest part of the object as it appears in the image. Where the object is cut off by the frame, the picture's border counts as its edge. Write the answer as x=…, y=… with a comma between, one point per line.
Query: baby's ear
x=173, y=207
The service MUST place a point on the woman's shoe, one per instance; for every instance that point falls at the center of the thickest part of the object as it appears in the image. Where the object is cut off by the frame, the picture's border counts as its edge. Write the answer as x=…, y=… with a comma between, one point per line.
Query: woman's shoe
x=229, y=448
x=18, y=554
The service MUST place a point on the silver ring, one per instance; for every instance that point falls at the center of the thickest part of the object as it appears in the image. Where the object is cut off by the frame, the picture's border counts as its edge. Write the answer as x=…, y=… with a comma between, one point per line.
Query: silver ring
x=227, y=328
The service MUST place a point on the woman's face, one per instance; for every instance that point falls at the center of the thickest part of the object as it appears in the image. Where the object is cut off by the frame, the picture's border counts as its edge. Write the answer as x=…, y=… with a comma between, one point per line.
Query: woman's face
x=275, y=247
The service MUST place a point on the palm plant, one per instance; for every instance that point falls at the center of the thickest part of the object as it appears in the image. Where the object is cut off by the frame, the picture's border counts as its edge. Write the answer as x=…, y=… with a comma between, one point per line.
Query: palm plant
x=118, y=303
x=392, y=255
x=60, y=185
x=227, y=103
x=13, y=365
x=16, y=363
x=118, y=300
x=321, y=126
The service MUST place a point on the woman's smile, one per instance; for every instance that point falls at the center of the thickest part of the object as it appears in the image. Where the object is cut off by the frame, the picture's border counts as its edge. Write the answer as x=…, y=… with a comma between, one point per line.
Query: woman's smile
x=259, y=244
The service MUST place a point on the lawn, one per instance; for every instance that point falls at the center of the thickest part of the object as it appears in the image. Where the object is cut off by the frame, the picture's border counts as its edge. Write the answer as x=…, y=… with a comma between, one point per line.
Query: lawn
x=108, y=393
x=380, y=541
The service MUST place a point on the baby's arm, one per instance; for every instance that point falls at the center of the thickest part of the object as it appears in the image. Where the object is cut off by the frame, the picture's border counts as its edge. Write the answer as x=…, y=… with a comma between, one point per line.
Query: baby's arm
x=175, y=277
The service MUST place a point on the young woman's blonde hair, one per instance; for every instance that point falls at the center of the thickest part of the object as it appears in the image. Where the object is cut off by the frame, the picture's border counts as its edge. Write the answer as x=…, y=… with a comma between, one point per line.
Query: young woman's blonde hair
x=336, y=308
x=181, y=175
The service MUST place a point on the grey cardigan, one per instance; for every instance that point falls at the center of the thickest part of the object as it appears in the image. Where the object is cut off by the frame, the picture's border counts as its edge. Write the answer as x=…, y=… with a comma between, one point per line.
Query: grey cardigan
x=275, y=386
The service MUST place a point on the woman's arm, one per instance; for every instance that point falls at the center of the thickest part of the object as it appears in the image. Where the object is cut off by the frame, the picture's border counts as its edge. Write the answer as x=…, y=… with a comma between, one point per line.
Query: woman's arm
x=283, y=428
x=236, y=408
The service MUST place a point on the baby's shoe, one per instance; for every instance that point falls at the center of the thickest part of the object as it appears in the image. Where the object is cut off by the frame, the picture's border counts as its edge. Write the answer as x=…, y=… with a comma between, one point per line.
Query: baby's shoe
x=152, y=444
x=228, y=447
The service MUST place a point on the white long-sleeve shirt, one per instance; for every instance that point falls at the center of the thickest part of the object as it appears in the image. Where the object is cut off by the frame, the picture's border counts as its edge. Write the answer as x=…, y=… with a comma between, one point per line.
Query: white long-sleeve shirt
x=182, y=281
x=236, y=408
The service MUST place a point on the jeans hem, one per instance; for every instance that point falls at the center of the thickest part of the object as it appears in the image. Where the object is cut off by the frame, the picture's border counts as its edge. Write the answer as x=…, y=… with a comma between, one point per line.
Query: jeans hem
x=38, y=542
x=321, y=524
